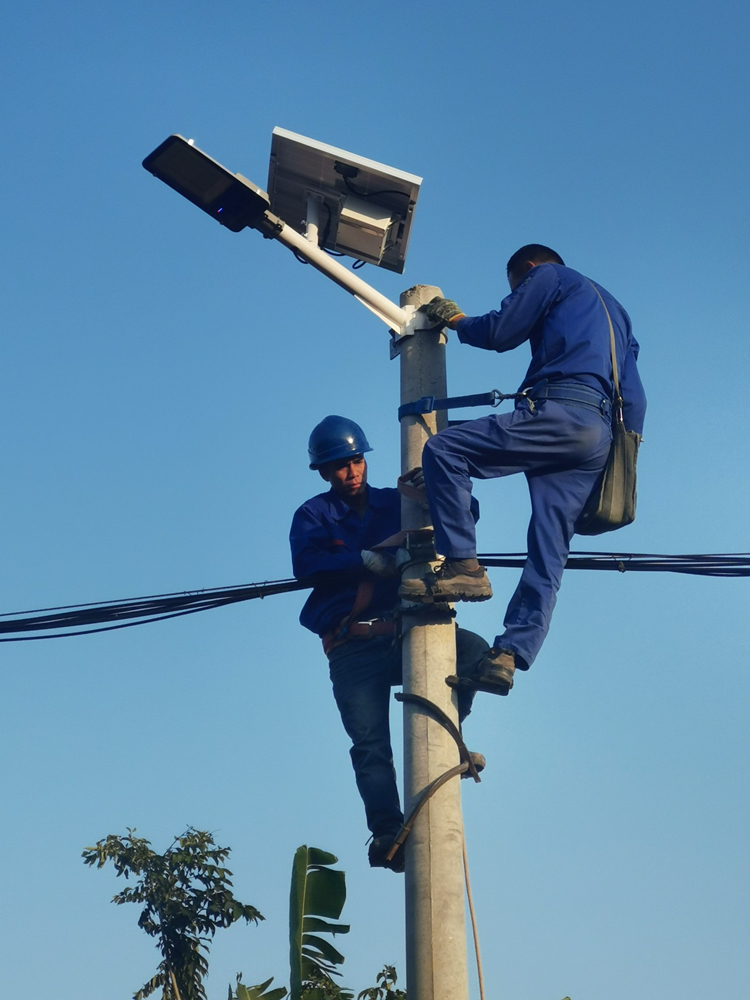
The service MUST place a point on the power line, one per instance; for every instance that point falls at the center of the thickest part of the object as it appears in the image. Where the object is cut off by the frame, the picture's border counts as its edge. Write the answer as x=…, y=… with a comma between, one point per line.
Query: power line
x=133, y=611
x=105, y=616
x=700, y=564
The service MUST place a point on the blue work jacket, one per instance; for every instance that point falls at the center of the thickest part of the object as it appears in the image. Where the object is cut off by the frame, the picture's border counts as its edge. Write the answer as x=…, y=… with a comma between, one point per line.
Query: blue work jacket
x=559, y=313
x=327, y=535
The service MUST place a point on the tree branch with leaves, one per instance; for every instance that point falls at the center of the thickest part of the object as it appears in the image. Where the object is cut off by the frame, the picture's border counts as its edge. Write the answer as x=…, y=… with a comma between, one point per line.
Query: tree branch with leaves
x=186, y=895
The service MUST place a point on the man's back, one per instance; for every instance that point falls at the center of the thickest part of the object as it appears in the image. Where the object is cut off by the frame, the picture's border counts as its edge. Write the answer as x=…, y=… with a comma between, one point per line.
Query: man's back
x=557, y=309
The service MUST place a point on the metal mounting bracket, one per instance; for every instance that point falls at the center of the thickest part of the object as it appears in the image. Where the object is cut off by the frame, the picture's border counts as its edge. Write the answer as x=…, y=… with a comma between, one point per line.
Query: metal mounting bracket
x=414, y=325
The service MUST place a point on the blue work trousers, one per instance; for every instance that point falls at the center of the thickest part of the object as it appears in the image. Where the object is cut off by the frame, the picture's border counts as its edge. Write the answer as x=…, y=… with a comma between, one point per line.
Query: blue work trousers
x=561, y=448
x=362, y=673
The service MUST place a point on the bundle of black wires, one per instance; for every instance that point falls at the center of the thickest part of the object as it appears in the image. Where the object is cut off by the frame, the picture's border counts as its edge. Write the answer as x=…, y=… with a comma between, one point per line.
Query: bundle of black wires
x=85, y=619
x=701, y=564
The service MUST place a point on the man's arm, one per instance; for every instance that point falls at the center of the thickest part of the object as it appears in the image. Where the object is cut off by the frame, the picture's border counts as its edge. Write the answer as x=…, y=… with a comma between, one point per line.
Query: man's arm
x=502, y=330
x=314, y=550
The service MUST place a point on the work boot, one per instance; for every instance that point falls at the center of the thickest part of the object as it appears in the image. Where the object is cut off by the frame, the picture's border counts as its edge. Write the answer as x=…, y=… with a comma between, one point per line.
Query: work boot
x=379, y=848
x=493, y=675
x=495, y=671
x=453, y=580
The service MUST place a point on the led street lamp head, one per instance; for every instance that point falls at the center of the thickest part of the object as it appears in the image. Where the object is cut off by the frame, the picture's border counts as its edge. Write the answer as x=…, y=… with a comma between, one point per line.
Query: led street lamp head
x=231, y=199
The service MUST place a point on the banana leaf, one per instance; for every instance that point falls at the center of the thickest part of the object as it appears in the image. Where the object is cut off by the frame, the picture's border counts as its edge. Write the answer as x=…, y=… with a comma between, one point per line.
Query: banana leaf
x=316, y=899
x=258, y=992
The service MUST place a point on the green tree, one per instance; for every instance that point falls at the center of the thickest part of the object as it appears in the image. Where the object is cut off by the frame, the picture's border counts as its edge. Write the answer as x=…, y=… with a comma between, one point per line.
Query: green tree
x=186, y=895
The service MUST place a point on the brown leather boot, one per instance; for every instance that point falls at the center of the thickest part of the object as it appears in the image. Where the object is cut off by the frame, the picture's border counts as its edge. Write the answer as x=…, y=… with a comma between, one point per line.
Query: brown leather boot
x=495, y=672
x=453, y=580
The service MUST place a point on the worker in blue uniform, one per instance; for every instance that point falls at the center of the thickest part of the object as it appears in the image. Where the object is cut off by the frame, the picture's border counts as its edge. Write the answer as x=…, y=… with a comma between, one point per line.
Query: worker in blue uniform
x=558, y=435
x=352, y=609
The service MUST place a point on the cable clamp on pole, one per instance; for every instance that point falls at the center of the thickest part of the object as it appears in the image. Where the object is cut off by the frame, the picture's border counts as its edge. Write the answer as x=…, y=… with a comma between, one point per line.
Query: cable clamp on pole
x=269, y=225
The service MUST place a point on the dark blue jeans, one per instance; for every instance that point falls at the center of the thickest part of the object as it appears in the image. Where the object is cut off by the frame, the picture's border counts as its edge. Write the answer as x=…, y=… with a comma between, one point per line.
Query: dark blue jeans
x=362, y=674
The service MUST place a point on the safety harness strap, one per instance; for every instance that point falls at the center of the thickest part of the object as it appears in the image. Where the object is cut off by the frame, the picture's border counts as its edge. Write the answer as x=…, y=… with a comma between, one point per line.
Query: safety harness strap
x=428, y=403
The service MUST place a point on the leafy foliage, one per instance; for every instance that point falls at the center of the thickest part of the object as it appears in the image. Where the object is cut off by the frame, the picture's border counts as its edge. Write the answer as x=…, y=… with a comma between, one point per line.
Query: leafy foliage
x=385, y=988
x=260, y=992
x=187, y=896
x=316, y=898
x=322, y=987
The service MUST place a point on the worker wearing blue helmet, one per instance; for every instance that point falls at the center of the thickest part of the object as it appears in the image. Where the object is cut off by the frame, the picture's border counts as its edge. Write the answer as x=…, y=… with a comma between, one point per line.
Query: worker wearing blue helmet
x=558, y=435
x=351, y=609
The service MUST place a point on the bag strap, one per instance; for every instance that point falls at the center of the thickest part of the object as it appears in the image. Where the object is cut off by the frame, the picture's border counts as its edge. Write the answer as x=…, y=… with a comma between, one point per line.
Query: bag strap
x=618, y=401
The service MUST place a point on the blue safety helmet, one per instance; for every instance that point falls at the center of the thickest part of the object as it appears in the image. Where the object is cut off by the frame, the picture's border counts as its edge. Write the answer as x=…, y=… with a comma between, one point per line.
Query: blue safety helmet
x=335, y=438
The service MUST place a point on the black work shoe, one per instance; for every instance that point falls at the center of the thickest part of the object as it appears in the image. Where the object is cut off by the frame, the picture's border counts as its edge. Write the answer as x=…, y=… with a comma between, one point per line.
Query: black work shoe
x=494, y=674
x=454, y=580
x=379, y=849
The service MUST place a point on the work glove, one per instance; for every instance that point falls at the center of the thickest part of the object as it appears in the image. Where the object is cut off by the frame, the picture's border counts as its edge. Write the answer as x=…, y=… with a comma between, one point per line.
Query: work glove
x=380, y=563
x=441, y=311
x=414, y=477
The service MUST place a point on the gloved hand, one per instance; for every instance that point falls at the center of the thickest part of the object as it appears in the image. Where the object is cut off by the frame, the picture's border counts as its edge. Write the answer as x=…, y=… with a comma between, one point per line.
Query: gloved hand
x=380, y=563
x=415, y=477
x=441, y=311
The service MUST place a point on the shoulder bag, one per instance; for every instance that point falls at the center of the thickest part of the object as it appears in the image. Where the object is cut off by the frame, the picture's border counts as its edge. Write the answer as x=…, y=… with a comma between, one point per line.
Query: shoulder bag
x=611, y=504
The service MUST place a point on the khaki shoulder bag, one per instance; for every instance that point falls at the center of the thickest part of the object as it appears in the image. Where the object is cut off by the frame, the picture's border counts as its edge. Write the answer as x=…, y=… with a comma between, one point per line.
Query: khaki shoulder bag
x=612, y=501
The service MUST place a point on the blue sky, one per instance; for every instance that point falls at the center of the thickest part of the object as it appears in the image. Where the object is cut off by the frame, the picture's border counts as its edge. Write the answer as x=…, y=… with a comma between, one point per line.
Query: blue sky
x=160, y=379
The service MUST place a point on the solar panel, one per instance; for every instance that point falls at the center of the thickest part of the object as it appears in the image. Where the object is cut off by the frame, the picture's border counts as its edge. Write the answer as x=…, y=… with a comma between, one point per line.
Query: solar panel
x=367, y=207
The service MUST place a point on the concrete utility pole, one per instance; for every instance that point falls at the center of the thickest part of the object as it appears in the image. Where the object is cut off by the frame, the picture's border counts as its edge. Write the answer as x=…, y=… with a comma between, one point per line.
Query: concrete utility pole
x=436, y=966
x=435, y=930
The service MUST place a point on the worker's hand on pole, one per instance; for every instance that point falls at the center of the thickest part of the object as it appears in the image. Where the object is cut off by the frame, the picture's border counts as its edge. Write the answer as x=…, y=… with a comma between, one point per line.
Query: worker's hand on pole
x=442, y=312
x=414, y=477
x=380, y=563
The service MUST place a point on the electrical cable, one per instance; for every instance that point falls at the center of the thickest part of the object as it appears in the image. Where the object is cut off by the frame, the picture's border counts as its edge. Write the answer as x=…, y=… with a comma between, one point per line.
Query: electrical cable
x=327, y=231
x=374, y=194
x=143, y=610
x=699, y=564
x=78, y=619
